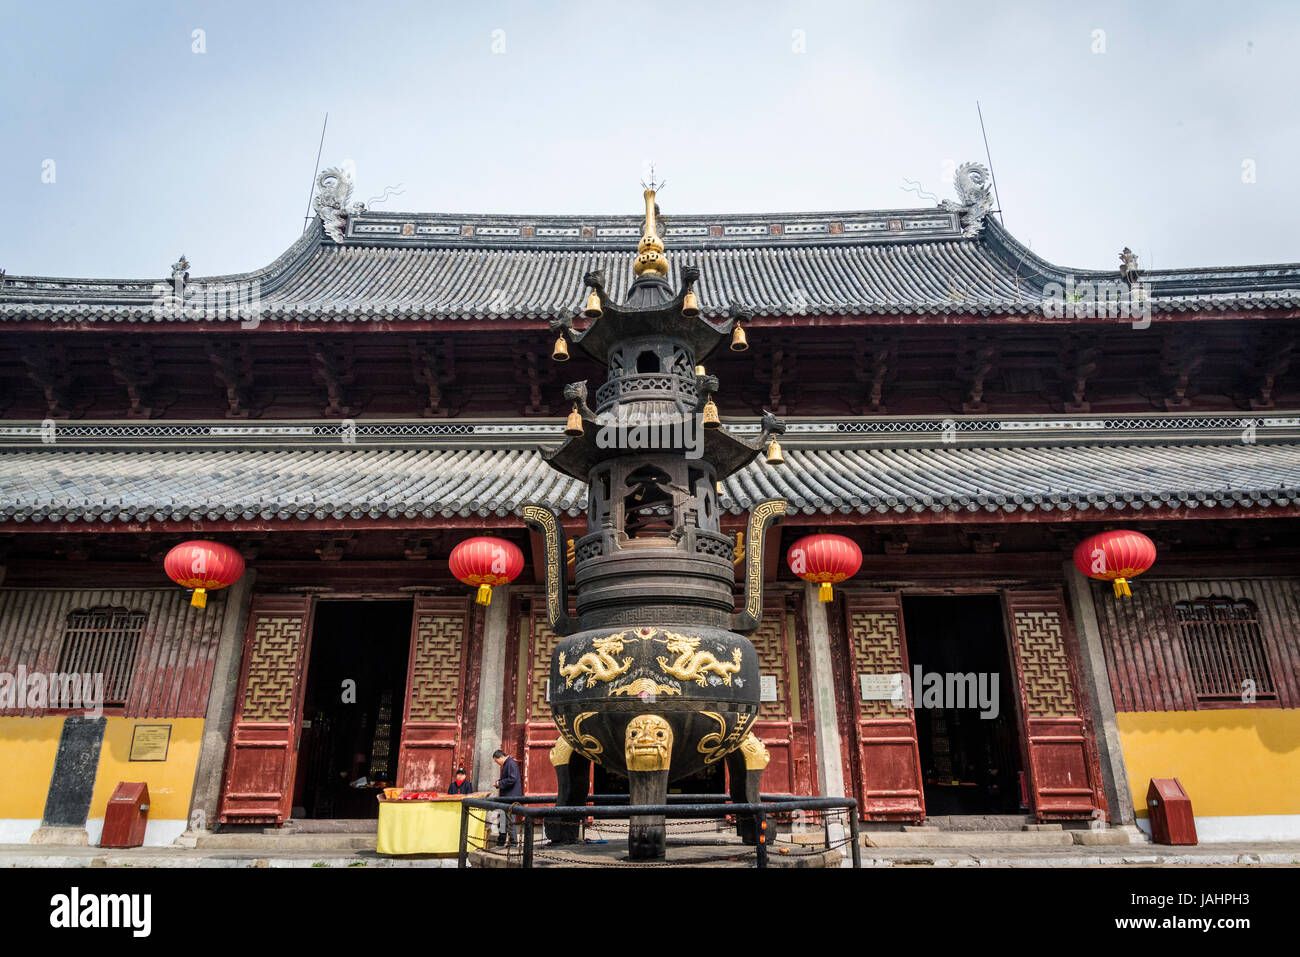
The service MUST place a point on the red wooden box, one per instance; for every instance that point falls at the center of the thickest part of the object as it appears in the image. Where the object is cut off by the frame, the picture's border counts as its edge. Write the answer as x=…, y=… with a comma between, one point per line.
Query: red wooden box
x=126, y=816
x=1170, y=810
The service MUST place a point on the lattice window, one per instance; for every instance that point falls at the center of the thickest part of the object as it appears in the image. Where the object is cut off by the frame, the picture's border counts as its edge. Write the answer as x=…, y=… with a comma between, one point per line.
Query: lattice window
x=103, y=641
x=1225, y=649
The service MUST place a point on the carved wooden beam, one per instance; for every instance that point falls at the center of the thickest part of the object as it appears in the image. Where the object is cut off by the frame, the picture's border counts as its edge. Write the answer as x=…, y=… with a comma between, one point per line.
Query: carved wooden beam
x=232, y=367
x=1078, y=358
x=332, y=366
x=334, y=547
x=133, y=366
x=434, y=368
x=1271, y=359
x=1180, y=358
x=48, y=367
x=775, y=371
x=976, y=358
x=871, y=366
x=537, y=374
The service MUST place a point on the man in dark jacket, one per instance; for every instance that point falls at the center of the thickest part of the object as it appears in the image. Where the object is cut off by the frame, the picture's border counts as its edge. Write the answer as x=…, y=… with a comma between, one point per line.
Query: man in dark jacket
x=510, y=785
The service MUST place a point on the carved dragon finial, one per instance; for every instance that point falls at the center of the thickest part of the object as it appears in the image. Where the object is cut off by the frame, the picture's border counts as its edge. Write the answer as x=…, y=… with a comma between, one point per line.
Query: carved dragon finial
x=974, y=187
x=333, y=190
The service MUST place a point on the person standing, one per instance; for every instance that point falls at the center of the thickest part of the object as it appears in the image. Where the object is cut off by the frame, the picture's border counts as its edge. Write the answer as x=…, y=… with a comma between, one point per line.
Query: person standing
x=510, y=785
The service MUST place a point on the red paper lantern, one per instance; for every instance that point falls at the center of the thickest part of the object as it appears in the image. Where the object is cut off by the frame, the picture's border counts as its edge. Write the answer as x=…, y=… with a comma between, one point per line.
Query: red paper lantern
x=203, y=566
x=486, y=561
x=827, y=559
x=1115, y=557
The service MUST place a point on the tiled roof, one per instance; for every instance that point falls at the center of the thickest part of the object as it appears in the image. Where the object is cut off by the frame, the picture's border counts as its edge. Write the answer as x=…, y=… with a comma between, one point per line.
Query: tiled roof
x=410, y=267
x=39, y=485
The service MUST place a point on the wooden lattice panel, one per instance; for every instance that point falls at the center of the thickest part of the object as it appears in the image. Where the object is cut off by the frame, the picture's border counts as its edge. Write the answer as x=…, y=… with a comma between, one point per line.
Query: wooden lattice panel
x=1044, y=666
x=544, y=641
x=272, y=669
x=770, y=644
x=436, y=669
x=878, y=650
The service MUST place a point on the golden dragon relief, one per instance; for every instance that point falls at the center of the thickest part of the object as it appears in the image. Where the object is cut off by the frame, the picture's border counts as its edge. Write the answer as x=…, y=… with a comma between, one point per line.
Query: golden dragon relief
x=599, y=663
x=693, y=664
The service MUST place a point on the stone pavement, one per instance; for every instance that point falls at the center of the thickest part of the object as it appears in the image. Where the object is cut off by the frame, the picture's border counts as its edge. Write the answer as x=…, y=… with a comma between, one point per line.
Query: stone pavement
x=1277, y=854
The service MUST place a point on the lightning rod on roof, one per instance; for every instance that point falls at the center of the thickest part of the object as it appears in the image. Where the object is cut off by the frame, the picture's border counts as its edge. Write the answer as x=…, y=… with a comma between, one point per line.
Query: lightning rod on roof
x=989, y=157
x=307, y=219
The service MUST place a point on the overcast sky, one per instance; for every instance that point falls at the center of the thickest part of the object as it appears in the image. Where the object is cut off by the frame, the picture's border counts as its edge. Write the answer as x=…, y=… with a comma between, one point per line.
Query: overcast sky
x=1110, y=124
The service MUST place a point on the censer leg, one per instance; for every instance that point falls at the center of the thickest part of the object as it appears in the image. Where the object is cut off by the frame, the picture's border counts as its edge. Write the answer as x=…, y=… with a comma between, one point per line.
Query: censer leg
x=645, y=836
x=745, y=766
x=648, y=748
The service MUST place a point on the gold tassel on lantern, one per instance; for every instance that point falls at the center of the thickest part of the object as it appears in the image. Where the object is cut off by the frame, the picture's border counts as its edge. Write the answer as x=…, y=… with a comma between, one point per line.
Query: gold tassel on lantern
x=200, y=598
x=738, y=341
x=593, y=310
x=484, y=596
x=711, y=420
x=774, y=456
x=561, y=351
x=573, y=427
x=691, y=305
x=825, y=592
x=1121, y=588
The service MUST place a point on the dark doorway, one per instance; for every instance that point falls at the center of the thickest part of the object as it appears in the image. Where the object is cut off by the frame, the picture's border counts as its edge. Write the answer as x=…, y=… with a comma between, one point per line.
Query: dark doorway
x=352, y=712
x=966, y=731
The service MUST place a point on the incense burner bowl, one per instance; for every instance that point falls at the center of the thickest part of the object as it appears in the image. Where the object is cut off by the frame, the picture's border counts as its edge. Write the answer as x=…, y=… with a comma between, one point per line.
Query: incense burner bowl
x=702, y=681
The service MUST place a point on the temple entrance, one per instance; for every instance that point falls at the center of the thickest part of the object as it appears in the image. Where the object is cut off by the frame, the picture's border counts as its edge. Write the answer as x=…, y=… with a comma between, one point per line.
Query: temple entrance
x=352, y=708
x=963, y=691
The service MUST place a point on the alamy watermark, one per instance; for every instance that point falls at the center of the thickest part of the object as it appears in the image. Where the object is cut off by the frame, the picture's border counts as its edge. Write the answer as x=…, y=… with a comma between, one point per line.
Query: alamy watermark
x=1102, y=299
x=39, y=690
x=667, y=430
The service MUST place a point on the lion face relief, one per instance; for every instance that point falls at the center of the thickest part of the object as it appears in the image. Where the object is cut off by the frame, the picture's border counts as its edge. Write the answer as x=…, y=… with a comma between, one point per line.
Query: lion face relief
x=648, y=744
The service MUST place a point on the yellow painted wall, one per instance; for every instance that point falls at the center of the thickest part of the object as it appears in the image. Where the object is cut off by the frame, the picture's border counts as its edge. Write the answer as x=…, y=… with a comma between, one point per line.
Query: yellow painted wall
x=27, y=750
x=1230, y=762
x=170, y=782
x=28, y=747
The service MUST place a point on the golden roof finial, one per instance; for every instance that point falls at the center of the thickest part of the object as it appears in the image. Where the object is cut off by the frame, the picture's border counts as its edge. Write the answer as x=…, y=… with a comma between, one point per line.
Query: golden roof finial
x=650, y=256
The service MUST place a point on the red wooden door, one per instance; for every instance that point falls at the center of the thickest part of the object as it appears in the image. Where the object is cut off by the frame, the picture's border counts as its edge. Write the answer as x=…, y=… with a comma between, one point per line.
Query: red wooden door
x=784, y=723
x=529, y=725
x=1060, y=751
x=268, y=712
x=437, y=733
x=889, y=784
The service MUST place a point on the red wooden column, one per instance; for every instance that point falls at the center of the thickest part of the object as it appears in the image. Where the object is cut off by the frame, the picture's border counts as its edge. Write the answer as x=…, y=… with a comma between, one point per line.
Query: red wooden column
x=268, y=712
x=437, y=730
x=889, y=786
x=785, y=724
x=1060, y=751
x=529, y=724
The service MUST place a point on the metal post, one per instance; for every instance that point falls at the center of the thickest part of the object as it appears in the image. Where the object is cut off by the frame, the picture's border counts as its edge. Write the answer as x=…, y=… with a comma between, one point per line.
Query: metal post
x=761, y=821
x=853, y=834
x=528, y=840
x=826, y=827
x=462, y=853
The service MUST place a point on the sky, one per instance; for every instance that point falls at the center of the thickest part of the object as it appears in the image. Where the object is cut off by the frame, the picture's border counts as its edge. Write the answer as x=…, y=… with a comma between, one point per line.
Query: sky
x=129, y=138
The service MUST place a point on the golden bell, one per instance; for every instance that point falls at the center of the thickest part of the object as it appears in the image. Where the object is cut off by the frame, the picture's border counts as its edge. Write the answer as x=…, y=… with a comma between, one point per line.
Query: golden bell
x=593, y=310
x=738, y=341
x=774, y=456
x=573, y=427
x=711, y=420
x=561, y=351
x=691, y=305
x=699, y=370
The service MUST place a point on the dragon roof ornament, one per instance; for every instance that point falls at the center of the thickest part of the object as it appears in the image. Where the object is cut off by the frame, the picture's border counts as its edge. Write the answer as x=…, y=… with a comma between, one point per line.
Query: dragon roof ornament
x=974, y=197
x=333, y=190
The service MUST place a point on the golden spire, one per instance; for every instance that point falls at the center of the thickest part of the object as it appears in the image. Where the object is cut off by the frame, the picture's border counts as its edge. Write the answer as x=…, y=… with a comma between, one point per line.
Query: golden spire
x=650, y=252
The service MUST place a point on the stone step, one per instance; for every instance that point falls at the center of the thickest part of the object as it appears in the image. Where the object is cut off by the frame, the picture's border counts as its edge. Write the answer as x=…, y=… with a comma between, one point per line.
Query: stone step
x=935, y=837
x=269, y=843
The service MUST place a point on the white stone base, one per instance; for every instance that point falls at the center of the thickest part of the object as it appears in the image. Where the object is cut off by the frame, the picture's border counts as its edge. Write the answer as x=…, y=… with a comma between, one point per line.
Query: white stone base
x=156, y=833
x=1252, y=827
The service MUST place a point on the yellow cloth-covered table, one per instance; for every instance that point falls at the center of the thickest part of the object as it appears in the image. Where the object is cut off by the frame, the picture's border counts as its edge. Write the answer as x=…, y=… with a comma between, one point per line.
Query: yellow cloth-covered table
x=427, y=827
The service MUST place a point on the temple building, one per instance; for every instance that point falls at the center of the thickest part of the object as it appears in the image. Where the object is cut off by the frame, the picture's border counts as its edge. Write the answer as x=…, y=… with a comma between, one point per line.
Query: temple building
x=963, y=410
